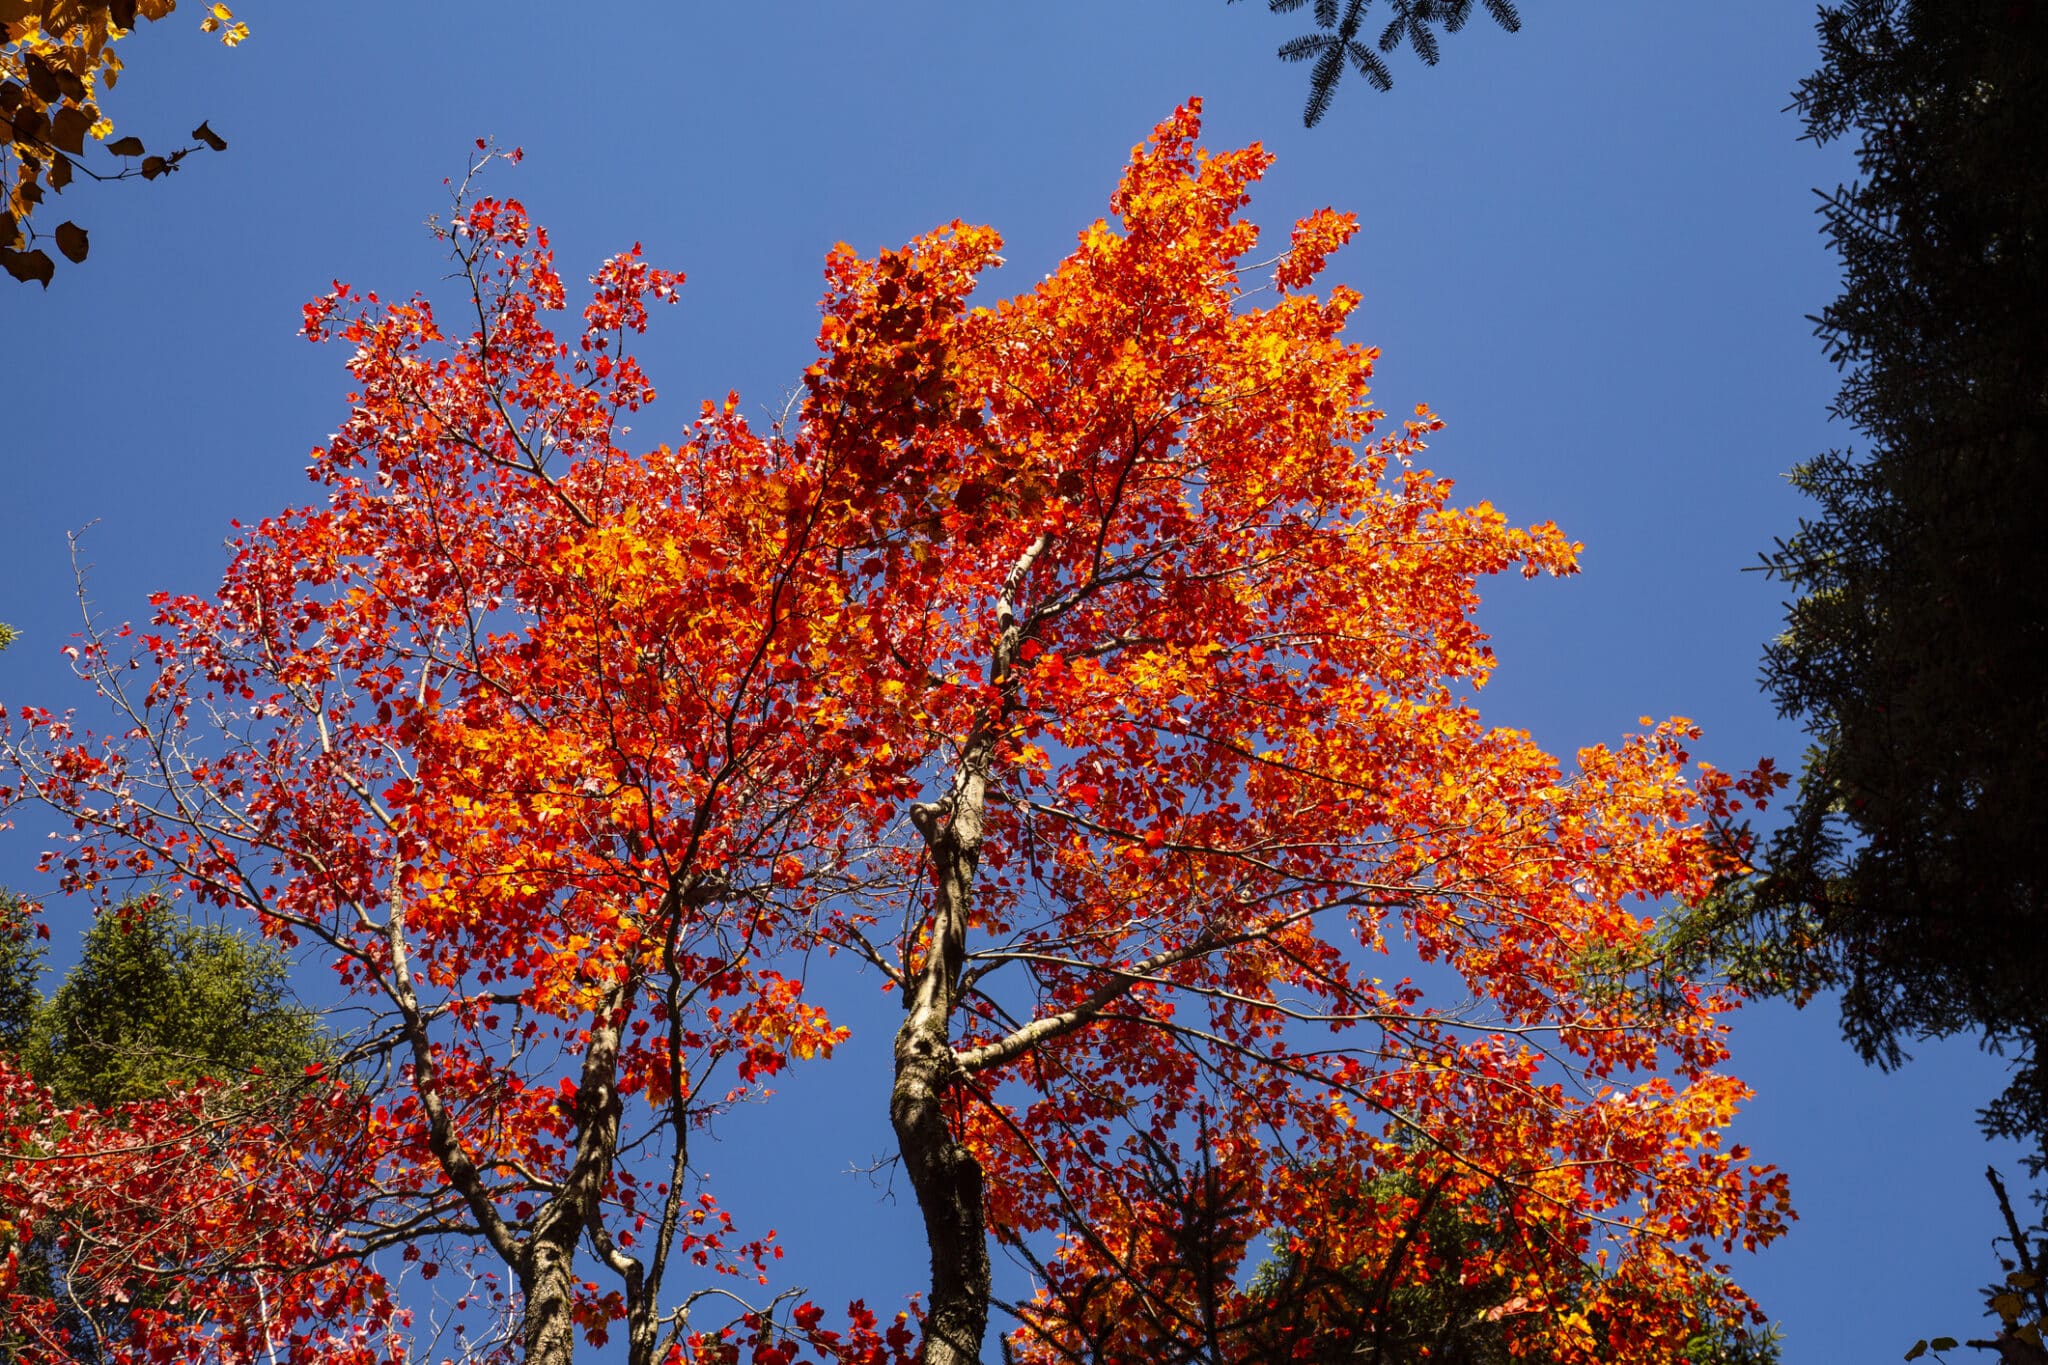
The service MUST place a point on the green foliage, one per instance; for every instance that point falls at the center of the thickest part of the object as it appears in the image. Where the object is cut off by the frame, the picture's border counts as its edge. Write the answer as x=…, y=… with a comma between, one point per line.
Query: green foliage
x=21, y=959
x=1336, y=43
x=1916, y=645
x=157, y=1001
x=1729, y=1344
x=1372, y=1312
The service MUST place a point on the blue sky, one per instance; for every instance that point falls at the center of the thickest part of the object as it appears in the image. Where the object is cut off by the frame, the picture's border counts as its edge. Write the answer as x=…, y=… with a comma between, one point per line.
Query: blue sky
x=1590, y=246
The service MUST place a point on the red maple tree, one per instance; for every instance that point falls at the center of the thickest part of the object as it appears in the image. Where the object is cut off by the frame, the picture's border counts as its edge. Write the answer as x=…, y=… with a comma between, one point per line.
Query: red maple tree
x=1091, y=667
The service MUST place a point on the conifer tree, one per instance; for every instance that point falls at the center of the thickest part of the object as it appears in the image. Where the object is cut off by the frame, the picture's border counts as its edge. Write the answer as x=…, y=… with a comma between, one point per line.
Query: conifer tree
x=1916, y=644
x=159, y=1001
x=156, y=1003
x=20, y=964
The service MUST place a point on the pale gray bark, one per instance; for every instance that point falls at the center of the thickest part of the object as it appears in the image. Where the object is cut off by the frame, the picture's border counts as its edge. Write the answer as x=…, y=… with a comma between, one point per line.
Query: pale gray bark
x=945, y=1175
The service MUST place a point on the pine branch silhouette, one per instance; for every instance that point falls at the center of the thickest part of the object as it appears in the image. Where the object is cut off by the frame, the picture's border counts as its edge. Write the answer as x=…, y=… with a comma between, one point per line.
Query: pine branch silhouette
x=1413, y=22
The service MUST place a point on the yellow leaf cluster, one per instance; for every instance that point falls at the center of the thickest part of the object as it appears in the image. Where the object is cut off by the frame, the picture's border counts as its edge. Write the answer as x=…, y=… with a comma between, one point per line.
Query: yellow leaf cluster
x=56, y=56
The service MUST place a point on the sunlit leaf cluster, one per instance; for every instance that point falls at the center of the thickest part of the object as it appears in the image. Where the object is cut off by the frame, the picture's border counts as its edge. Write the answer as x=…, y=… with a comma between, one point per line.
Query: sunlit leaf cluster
x=57, y=62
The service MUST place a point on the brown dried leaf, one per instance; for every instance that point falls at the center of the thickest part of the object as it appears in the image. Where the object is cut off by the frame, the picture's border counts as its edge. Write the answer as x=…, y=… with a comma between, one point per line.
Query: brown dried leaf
x=29, y=124
x=28, y=265
x=68, y=129
x=42, y=79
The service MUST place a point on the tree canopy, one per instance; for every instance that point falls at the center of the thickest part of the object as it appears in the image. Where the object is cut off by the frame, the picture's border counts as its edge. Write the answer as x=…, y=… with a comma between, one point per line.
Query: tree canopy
x=157, y=1003
x=1088, y=673
x=1307, y=1306
x=1916, y=646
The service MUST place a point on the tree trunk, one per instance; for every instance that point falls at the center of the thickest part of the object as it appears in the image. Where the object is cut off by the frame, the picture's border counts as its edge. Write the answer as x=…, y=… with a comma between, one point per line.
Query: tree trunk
x=947, y=1179
x=547, y=1263
x=944, y=1173
x=547, y=1282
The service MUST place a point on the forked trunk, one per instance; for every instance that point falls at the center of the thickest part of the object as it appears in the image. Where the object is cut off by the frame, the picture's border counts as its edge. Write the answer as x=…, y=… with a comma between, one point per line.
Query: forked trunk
x=946, y=1176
